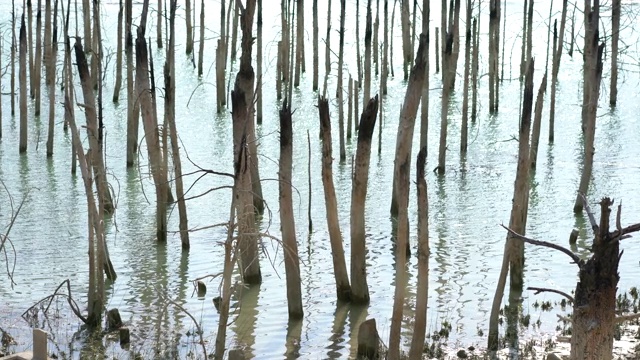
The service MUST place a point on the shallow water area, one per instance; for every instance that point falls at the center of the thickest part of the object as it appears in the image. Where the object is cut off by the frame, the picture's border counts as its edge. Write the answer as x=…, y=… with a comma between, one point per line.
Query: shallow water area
x=466, y=205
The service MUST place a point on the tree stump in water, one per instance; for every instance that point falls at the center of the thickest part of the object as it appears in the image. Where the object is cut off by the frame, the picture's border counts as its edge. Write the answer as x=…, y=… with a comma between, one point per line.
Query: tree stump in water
x=114, y=321
x=124, y=336
x=368, y=340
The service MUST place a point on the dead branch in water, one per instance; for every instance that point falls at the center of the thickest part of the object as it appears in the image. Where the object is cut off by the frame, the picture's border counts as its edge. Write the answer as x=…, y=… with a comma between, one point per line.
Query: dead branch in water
x=33, y=310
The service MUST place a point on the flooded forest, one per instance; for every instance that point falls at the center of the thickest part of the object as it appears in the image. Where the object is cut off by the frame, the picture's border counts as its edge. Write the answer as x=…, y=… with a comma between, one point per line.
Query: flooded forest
x=328, y=179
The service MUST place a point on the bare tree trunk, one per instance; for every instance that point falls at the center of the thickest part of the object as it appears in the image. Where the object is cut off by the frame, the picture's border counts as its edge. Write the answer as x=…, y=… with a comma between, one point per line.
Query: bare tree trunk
x=530, y=30
x=537, y=120
x=358, y=57
x=546, y=64
x=13, y=58
x=37, y=75
x=393, y=15
x=234, y=31
x=367, y=58
x=406, y=127
x=339, y=91
x=343, y=289
x=299, y=42
x=316, y=62
x=47, y=41
x=170, y=119
x=32, y=69
x=437, y=48
x=406, y=38
x=187, y=9
x=201, y=44
x=523, y=50
x=86, y=15
x=23, y=88
x=350, y=108
x=424, y=101
x=221, y=58
x=359, y=287
x=474, y=71
x=558, y=41
x=422, y=291
x=289, y=244
x=593, y=78
x=259, y=66
x=51, y=66
x=448, y=70
x=118, y=84
x=467, y=68
x=504, y=37
x=356, y=105
x=150, y=123
x=159, y=27
x=132, y=113
x=385, y=50
x=452, y=68
x=96, y=57
x=376, y=43
x=443, y=35
x=615, y=37
x=494, y=47
x=513, y=257
x=401, y=184
x=327, y=51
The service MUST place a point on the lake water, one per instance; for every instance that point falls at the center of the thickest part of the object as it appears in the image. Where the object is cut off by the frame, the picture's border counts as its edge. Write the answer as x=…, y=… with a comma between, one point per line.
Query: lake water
x=467, y=204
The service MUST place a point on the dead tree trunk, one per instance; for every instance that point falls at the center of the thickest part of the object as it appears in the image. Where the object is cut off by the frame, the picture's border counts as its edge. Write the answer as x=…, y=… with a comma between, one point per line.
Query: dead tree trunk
x=234, y=30
x=23, y=87
x=47, y=41
x=494, y=47
x=558, y=40
x=132, y=104
x=401, y=184
x=376, y=43
x=385, y=50
x=447, y=87
x=424, y=101
x=289, y=244
x=221, y=61
x=32, y=69
x=316, y=60
x=343, y=289
x=86, y=16
x=118, y=84
x=187, y=9
x=465, y=91
x=159, y=25
x=537, y=120
x=359, y=287
x=259, y=65
x=406, y=38
x=340, y=90
x=591, y=24
x=37, y=75
x=406, y=127
x=593, y=78
x=51, y=68
x=358, y=57
x=437, y=50
x=13, y=58
x=443, y=35
x=422, y=291
x=513, y=257
x=201, y=44
x=350, y=108
x=170, y=119
x=299, y=42
x=453, y=66
x=367, y=57
x=474, y=71
x=151, y=131
x=523, y=50
x=615, y=39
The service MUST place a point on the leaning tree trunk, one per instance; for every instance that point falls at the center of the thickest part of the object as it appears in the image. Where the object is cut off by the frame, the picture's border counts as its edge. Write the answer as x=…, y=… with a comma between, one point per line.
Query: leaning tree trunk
x=406, y=126
x=170, y=119
x=343, y=289
x=615, y=37
x=422, y=291
x=151, y=132
x=513, y=257
x=23, y=87
x=289, y=244
x=401, y=183
x=359, y=287
x=537, y=120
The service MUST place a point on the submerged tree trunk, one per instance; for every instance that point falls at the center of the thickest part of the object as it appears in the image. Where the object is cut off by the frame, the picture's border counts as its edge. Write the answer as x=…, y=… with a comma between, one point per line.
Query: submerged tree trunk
x=465, y=89
x=615, y=39
x=47, y=43
x=401, y=184
x=557, y=54
x=513, y=257
x=406, y=127
x=424, y=101
x=316, y=60
x=523, y=50
x=37, y=75
x=474, y=71
x=422, y=291
x=340, y=90
x=289, y=244
x=385, y=50
x=159, y=25
x=494, y=47
x=51, y=68
x=23, y=87
x=299, y=42
x=187, y=16
x=447, y=86
x=357, y=42
x=343, y=289
x=118, y=83
x=132, y=114
x=13, y=58
x=201, y=44
x=537, y=120
x=170, y=119
x=367, y=58
x=359, y=287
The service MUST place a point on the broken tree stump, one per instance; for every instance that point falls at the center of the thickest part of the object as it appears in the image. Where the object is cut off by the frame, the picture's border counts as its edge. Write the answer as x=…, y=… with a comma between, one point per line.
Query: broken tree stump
x=368, y=340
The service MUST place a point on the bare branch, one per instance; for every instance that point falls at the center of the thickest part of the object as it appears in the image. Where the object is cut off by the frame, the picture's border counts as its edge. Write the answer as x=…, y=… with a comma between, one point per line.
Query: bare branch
x=592, y=219
x=623, y=318
x=624, y=231
x=539, y=290
x=573, y=256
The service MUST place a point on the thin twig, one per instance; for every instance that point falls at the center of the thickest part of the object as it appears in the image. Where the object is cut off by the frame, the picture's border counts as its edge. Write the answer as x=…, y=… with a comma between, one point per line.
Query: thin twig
x=195, y=322
x=573, y=256
x=539, y=290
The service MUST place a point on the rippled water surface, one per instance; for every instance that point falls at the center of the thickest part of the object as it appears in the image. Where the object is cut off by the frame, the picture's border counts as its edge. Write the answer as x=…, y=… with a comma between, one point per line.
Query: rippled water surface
x=467, y=205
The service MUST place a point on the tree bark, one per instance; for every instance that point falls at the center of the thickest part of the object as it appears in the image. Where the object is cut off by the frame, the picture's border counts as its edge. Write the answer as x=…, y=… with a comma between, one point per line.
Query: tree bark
x=474, y=71
x=615, y=39
x=359, y=287
x=51, y=67
x=32, y=69
x=465, y=92
x=13, y=58
x=422, y=291
x=118, y=83
x=86, y=13
x=37, y=75
x=339, y=91
x=187, y=9
x=406, y=126
x=591, y=24
x=316, y=61
x=494, y=47
x=401, y=184
x=327, y=50
x=289, y=244
x=299, y=42
x=537, y=120
x=132, y=114
x=159, y=26
x=406, y=38
x=259, y=65
x=47, y=41
x=385, y=50
x=523, y=50
x=357, y=42
x=367, y=58
x=558, y=40
x=201, y=44
x=23, y=87
x=343, y=289
x=447, y=86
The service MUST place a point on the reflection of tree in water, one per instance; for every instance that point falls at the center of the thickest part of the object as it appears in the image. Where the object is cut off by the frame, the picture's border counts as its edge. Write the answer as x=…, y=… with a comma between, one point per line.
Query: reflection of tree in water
x=337, y=338
x=244, y=325
x=357, y=315
x=294, y=332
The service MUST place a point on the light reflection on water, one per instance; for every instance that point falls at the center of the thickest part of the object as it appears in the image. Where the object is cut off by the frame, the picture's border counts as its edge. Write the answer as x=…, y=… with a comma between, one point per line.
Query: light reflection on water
x=466, y=208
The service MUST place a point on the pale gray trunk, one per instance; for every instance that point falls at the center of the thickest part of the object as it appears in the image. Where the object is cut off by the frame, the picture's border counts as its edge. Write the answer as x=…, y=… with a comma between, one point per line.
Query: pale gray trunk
x=86, y=16
x=299, y=42
x=537, y=120
x=406, y=38
x=47, y=42
x=465, y=91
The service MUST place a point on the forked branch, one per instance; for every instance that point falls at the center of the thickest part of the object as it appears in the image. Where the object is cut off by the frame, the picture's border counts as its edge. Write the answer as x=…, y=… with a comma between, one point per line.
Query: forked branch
x=573, y=256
